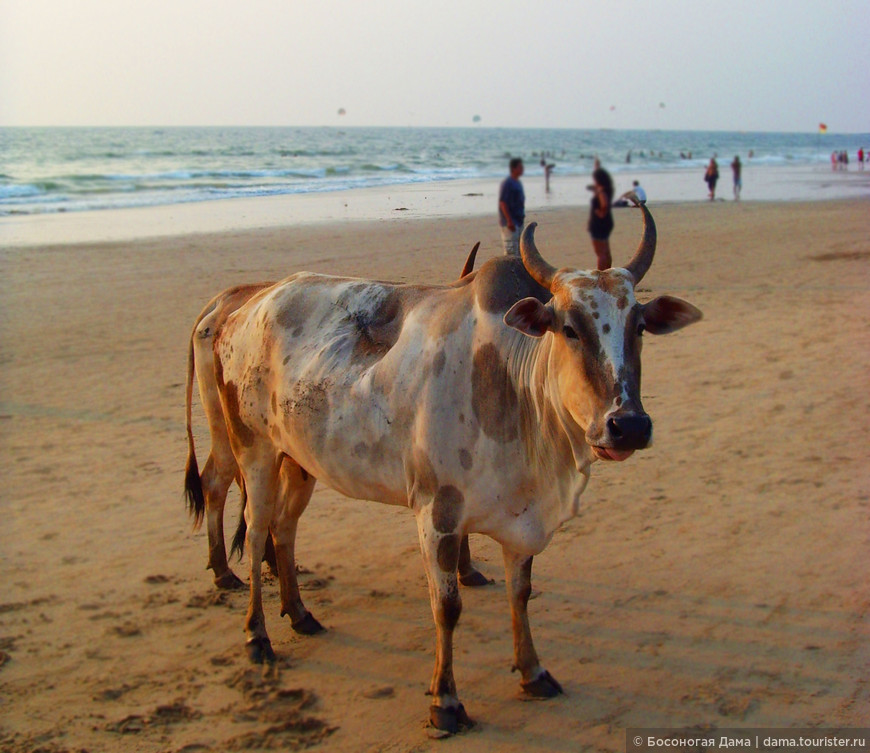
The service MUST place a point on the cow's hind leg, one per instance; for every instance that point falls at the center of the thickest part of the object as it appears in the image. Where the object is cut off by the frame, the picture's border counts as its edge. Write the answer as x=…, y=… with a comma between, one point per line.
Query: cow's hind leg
x=441, y=559
x=537, y=681
x=217, y=476
x=295, y=489
x=261, y=483
x=469, y=575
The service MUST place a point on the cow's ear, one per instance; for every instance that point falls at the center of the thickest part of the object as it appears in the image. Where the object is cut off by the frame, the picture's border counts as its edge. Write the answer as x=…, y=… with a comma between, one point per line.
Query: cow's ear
x=530, y=316
x=667, y=314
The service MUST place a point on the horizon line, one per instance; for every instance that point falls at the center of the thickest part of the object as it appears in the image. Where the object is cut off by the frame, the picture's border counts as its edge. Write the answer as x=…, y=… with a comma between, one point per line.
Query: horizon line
x=477, y=126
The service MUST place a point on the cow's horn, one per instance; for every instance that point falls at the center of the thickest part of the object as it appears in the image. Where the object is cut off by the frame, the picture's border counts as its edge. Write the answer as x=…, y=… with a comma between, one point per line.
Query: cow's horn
x=643, y=257
x=534, y=263
x=469, y=262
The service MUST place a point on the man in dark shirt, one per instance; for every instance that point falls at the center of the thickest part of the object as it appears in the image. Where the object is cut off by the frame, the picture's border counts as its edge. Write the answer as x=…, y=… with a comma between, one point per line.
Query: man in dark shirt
x=512, y=208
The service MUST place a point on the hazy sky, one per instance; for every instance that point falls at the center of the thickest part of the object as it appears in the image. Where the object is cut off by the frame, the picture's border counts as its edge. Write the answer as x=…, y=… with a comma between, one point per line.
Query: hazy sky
x=724, y=65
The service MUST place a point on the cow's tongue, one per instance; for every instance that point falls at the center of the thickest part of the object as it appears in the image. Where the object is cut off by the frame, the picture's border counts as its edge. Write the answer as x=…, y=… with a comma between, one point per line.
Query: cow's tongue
x=608, y=453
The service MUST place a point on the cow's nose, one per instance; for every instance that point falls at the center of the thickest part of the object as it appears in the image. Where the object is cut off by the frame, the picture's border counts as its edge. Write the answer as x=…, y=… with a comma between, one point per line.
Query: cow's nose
x=629, y=431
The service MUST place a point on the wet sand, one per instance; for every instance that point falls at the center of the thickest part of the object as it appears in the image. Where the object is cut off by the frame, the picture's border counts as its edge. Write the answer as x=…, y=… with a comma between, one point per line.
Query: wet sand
x=718, y=578
x=453, y=199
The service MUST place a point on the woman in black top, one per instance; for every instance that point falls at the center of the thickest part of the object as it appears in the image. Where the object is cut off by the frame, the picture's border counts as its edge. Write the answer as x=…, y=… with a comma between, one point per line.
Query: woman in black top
x=711, y=176
x=600, y=217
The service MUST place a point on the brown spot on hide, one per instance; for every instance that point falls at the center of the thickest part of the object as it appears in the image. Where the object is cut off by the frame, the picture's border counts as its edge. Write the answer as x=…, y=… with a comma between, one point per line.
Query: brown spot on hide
x=239, y=429
x=493, y=396
x=447, y=509
x=612, y=283
x=622, y=303
x=448, y=553
x=597, y=372
x=449, y=315
x=274, y=403
x=605, y=328
x=361, y=450
x=465, y=459
x=295, y=309
x=218, y=367
x=307, y=398
x=451, y=609
x=439, y=362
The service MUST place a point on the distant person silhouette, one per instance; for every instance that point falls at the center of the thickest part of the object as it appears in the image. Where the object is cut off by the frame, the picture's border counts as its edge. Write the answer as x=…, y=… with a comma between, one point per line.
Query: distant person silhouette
x=512, y=208
x=637, y=190
x=711, y=176
x=737, y=169
x=600, y=217
x=548, y=169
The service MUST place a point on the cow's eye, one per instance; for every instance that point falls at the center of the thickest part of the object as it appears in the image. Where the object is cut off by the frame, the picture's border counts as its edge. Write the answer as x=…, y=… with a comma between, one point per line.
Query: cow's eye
x=640, y=329
x=570, y=333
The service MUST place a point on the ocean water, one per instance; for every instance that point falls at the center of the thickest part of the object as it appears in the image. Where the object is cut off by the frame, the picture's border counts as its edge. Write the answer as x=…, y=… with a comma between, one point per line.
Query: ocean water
x=49, y=170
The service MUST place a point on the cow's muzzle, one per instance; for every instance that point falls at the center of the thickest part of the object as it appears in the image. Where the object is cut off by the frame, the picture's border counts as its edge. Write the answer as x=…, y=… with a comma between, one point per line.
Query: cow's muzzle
x=623, y=434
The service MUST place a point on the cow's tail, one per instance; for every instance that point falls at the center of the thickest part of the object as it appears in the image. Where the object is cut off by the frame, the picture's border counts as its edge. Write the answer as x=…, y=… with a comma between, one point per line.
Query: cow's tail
x=192, y=481
x=238, y=545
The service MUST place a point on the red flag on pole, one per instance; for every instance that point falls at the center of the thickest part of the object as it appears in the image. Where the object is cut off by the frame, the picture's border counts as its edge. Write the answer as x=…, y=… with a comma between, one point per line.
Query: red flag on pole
x=823, y=128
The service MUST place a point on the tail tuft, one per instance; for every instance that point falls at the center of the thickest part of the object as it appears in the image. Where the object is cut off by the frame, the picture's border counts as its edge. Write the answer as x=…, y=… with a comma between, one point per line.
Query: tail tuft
x=193, y=491
x=238, y=545
x=192, y=480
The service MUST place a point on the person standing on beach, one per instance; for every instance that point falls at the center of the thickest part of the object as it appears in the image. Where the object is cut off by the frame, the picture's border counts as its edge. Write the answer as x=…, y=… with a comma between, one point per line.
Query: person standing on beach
x=711, y=177
x=548, y=169
x=736, y=168
x=600, y=217
x=512, y=208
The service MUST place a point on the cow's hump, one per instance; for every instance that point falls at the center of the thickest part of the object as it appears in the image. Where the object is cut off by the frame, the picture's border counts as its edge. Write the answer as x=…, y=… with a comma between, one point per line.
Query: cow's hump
x=503, y=281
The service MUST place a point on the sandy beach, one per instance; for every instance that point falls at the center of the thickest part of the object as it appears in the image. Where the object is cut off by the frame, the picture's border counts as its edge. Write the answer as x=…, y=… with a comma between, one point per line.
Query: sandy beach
x=718, y=579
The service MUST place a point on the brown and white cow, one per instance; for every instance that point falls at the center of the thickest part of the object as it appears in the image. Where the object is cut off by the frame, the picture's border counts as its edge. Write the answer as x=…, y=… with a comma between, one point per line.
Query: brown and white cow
x=207, y=492
x=480, y=405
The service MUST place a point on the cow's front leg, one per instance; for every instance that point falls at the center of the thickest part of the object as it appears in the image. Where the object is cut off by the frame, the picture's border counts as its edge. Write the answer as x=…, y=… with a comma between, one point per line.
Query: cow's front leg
x=441, y=560
x=537, y=681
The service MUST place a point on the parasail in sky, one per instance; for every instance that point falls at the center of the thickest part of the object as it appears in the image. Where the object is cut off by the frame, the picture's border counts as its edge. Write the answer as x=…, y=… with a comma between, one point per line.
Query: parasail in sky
x=342, y=111
x=476, y=119
x=662, y=105
x=612, y=108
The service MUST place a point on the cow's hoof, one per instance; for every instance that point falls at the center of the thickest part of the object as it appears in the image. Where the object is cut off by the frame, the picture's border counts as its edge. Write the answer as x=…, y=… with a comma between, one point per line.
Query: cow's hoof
x=474, y=578
x=544, y=686
x=308, y=625
x=229, y=581
x=260, y=651
x=450, y=720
